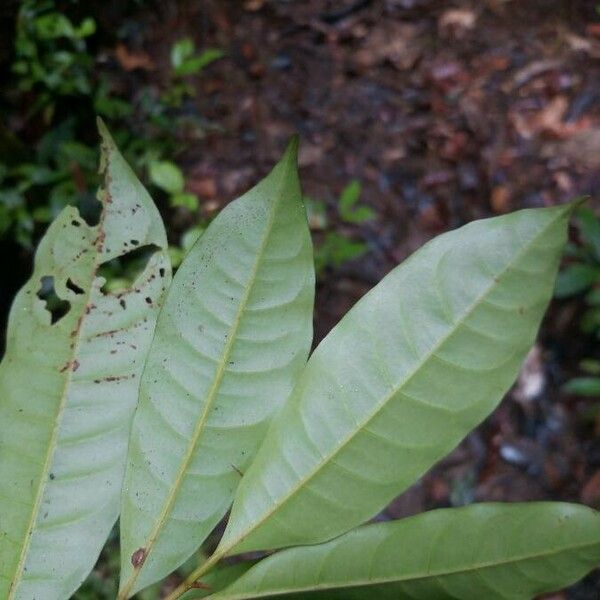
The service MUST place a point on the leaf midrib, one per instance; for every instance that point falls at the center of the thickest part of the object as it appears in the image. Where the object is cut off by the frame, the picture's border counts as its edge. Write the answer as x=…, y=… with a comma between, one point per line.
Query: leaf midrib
x=323, y=463
x=411, y=577
x=213, y=391
x=53, y=443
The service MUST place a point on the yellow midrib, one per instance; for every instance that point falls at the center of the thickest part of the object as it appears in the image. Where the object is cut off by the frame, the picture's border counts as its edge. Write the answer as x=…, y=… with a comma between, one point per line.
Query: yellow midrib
x=45, y=474
x=211, y=395
x=301, y=483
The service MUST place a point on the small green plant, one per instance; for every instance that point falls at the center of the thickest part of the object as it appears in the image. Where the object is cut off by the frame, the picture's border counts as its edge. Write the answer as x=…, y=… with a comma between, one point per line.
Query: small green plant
x=581, y=277
x=51, y=55
x=337, y=247
x=171, y=403
x=54, y=70
x=185, y=62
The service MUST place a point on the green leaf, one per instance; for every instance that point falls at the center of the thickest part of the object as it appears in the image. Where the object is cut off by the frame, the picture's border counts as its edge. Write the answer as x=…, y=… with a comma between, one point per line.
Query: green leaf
x=349, y=212
x=53, y=26
x=184, y=62
x=396, y=385
x=68, y=388
x=590, y=321
x=167, y=176
x=86, y=28
x=181, y=50
x=350, y=194
x=590, y=365
x=575, y=279
x=337, y=249
x=195, y=64
x=583, y=386
x=491, y=551
x=593, y=297
x=230, y=342
x=185, y=200
x=589, y=225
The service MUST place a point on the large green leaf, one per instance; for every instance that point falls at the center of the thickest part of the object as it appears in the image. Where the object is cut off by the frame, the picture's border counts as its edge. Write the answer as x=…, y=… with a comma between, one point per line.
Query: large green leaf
x=491, y=551
x=405, y=375
x=230, y=342
x=68, y=389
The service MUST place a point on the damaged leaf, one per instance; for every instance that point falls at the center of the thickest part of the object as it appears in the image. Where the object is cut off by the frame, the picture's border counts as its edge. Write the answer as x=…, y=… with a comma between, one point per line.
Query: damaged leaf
x=68, y=387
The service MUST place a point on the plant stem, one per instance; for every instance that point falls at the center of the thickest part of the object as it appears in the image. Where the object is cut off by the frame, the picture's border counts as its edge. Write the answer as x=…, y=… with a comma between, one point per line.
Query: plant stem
x=196, y=574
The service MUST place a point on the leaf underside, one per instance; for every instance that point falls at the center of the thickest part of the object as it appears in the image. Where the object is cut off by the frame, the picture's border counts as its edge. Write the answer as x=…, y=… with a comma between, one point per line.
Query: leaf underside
x=233, y=336
x=491, y=551
x=396, y=385
x=68, y=387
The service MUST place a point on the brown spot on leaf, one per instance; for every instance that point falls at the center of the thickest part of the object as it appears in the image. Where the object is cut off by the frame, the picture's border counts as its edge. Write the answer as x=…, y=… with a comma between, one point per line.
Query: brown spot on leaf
x=138, y=557
x=198, y=585
x=73, y=365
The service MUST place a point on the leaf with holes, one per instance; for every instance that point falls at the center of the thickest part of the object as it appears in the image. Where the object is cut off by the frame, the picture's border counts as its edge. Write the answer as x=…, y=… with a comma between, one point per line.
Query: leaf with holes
x=491, y=551
x=231, y=339
x=68, y=386
x=404, y=376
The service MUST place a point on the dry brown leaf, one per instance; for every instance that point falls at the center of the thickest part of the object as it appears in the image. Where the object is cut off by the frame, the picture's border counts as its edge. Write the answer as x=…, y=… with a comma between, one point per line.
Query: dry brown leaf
x=549, y=121
x=459, y=20
x=500, y=199
x=394, y=42
x=130, y=60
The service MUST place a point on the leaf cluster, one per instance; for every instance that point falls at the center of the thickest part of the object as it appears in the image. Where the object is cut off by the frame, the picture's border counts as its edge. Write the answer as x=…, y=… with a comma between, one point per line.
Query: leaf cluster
x=169, y=404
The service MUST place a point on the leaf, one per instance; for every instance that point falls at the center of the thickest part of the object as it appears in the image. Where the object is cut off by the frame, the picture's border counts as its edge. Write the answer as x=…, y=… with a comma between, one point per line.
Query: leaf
x=230, y=342
x=396, y=385
x=590, y=365
x=350, y=195
x=195, y=64
x=167, y=176
x=185, y=200
x=349, y=212
x=68, y=388
x=491, y=551
x=589, y=226
x=181, y=50
x=575, y=278
x=583, y=386
x=590, y=320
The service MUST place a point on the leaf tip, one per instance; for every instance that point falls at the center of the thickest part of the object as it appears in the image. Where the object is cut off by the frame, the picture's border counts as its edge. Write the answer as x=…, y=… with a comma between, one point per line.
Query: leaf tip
x=106, y=137
x=291, y=152
x=578, y=202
